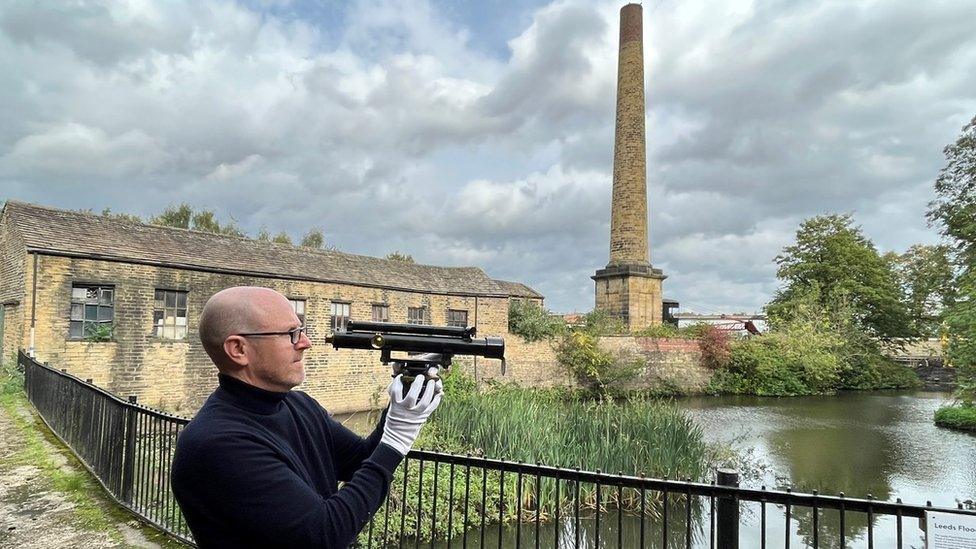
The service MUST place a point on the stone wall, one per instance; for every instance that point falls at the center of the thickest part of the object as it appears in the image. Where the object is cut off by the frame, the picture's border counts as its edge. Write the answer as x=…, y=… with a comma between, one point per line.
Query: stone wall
x=670, y=362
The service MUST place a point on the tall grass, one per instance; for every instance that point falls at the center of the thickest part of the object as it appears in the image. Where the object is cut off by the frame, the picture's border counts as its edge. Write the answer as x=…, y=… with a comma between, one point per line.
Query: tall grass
x=561, y=429
x=552, y=428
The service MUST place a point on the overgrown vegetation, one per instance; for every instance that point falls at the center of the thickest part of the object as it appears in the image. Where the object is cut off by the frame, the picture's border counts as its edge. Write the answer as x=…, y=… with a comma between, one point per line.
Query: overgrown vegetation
x=560, y=427
x=532, y=322
x=99, y=332
x=814, y=346
x=553, y=427
x=599, y=372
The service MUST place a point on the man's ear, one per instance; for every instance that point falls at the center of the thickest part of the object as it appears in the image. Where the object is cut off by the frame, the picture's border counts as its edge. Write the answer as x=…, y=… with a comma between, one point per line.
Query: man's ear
x=234, y=348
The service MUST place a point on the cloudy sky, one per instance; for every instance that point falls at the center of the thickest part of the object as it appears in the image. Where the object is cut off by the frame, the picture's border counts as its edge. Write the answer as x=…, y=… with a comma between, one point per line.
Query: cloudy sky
x=480, y=132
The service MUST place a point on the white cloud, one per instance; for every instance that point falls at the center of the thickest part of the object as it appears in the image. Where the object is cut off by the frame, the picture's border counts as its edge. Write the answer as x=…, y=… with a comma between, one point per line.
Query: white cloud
x=389, y=129
x=74, y=150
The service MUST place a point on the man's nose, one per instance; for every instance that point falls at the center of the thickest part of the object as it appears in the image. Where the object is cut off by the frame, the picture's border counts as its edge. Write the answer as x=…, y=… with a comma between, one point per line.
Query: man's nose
x=303, y=342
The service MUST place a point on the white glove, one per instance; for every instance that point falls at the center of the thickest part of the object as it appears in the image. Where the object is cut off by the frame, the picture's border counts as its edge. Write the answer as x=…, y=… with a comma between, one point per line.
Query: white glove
x=407, y=414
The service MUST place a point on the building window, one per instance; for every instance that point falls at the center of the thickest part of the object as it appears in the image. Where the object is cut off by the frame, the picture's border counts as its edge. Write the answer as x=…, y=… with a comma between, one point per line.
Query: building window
x=299, y=306
x=340, y=316
x=417, y=315
x=169, y=314
x=92, y=312
x=381, y=313
x=456, y=317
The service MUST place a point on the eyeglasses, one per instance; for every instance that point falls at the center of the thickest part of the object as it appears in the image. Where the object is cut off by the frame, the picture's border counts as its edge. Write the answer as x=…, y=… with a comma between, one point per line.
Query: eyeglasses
x=295, y=334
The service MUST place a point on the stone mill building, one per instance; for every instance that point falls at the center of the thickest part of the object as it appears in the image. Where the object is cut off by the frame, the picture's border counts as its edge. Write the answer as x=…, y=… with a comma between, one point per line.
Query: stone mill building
x=117, y=302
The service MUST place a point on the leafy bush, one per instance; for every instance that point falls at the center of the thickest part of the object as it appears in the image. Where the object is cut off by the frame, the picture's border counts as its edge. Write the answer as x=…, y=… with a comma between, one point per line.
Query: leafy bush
x=811, y=349
x=659, y=330
x=800, y=359
x=11, y=378
x=696, y=330
x=966, y=393
x=458, y=384
x=956, y=417
x=800, y=356
x=601, y=323
x=879, y=373
x=715, y=348
x=532, y=322
x=596, y=370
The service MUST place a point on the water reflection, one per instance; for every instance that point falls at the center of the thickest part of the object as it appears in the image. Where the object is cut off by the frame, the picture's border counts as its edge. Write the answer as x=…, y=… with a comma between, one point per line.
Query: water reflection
x=883, y=444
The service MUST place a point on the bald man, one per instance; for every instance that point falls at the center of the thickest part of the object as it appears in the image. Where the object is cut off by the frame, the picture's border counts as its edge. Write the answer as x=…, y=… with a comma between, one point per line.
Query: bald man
x=259, y=464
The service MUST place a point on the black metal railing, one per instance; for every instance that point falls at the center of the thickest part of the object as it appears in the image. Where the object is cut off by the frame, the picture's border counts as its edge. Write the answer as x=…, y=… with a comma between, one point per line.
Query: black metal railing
x=443, y=500
x=128, y=448
x=447, y=500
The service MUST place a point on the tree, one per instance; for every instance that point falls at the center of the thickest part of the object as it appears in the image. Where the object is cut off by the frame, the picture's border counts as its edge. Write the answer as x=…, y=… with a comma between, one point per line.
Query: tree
x=832, y=256
x=263, y=235
x=927, y=278
x=206, y=221
x=313, y=239
x=282, y=238
x=231, y=229
x=954, y=210
x=107, y=212
x=184, y=217
x=175, y=216
x=397, y=256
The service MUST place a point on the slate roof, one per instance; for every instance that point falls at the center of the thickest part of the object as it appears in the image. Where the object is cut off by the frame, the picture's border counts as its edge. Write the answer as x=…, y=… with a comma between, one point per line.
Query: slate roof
x=78, y=234
x=517, y=289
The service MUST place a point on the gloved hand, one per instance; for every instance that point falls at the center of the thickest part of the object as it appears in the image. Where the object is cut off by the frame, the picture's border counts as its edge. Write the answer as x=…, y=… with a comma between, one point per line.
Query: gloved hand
x=407, y=413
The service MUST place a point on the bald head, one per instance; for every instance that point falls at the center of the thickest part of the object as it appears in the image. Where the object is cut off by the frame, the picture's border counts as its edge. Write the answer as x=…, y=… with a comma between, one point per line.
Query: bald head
x=233, y=311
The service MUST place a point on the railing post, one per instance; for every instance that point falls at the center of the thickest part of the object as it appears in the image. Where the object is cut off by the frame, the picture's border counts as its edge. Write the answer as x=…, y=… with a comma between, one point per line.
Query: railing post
x=128, y=457
x=727, y=508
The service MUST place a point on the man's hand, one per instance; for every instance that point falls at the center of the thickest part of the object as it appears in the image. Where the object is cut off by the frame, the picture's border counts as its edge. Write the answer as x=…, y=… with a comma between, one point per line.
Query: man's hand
x=407, y=413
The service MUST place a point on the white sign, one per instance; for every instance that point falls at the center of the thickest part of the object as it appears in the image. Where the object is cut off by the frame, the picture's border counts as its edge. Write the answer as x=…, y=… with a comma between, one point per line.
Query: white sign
x=949, y=531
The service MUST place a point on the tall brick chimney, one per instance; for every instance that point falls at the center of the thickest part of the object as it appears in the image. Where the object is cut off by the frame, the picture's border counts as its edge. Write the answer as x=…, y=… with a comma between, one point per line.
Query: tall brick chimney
x=629, y=288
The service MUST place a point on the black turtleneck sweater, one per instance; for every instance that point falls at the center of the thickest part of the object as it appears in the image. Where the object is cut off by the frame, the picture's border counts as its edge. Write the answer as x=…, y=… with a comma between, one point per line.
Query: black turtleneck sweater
x=261, y=468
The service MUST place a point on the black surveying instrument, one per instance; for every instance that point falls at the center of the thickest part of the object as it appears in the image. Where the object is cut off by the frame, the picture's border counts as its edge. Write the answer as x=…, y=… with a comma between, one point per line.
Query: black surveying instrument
x=438, y=345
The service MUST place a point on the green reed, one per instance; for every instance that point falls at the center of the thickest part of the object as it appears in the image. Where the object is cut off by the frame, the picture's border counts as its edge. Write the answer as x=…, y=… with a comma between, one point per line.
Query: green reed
x=549, y=427
x=560, y=429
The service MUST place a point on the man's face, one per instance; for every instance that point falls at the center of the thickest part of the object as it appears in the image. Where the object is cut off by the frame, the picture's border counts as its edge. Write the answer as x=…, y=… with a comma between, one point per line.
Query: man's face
x=275, y=363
